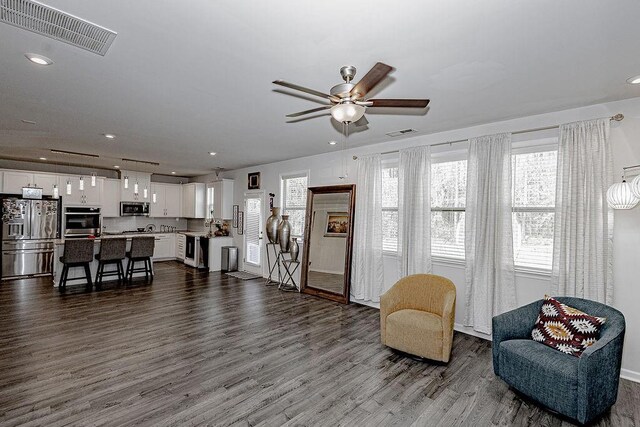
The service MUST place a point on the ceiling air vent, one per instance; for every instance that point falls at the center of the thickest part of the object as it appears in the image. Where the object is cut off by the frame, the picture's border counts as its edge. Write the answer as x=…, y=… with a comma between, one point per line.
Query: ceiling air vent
x=41, y=19
x=402, y=132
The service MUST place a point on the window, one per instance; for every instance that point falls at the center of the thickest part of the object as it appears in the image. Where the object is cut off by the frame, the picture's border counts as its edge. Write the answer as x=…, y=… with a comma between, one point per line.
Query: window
x=534, y=193
x=448, y=196
x=294, y=201
x=390, y=209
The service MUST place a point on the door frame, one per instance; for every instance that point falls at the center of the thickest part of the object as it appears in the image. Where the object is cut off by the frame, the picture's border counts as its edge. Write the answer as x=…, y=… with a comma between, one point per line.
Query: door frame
x=246, y=266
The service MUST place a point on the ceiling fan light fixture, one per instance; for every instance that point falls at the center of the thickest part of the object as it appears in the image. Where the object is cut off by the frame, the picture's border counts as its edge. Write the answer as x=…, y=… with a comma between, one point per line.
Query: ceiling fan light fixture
x=347, y=113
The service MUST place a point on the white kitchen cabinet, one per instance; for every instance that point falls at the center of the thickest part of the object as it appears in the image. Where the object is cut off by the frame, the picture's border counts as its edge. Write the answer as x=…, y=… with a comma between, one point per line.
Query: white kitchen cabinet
x=14, y=181
x=215, y=251
x=168, y=200
x=193, y=200
x=223, y=198
x=165, y=248
x=90, y=196
x=128, y=194
x=110, y=198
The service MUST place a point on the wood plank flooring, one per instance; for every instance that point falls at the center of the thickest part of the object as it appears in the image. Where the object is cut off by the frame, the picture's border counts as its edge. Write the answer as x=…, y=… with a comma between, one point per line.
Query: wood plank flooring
x=195, y=348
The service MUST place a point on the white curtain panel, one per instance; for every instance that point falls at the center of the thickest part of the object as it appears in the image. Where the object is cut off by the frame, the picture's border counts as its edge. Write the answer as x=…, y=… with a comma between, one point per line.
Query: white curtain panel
x=368, y=273
x=490, y=275
x=414, y=210
x=582, y=245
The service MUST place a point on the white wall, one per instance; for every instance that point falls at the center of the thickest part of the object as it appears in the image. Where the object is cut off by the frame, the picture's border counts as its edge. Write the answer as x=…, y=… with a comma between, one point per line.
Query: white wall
x=625, y=138
x=326, y=253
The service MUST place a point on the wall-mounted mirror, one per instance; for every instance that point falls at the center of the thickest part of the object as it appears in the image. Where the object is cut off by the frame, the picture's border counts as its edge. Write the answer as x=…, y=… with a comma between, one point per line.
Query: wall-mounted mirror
x=326, y=258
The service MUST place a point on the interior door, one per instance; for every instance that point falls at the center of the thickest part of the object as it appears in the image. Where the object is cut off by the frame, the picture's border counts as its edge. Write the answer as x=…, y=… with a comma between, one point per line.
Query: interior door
x=253, y=203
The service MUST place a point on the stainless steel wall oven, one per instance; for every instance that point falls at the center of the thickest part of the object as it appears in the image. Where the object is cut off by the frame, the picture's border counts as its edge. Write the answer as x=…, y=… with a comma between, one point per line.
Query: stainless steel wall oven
x=82, y=221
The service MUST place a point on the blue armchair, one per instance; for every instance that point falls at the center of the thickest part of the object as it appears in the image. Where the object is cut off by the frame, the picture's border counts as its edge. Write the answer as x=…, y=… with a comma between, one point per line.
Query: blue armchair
x=581, y=388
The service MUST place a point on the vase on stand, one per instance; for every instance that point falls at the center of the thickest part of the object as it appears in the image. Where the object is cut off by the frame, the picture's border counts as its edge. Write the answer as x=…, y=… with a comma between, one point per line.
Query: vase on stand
x=284, y=231
x=272, y=225
x=294, y=249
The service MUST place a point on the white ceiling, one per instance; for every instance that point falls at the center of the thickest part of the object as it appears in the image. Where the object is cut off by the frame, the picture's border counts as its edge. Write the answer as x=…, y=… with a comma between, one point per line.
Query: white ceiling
x=185, y=78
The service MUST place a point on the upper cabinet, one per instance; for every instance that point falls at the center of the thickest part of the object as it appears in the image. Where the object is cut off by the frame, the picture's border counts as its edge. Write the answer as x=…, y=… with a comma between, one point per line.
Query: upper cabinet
x=89, y=195
x=193, y=200
x=128, y=181
x=222, y=198
x=15, y=180
x=166, y=200
x=111, y=198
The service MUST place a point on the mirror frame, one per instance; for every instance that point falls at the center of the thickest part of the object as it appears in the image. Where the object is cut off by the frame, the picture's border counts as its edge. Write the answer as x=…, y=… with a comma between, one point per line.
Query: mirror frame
x=304, y=287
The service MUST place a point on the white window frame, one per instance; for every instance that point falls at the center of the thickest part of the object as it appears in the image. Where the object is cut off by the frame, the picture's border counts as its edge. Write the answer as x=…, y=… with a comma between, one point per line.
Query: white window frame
x=391, y=163
x=283, y=199
x=446, y=157
x=536, y=146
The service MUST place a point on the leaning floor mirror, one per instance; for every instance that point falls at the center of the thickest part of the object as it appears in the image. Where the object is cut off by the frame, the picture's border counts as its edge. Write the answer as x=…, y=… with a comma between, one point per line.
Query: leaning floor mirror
x=326, y=257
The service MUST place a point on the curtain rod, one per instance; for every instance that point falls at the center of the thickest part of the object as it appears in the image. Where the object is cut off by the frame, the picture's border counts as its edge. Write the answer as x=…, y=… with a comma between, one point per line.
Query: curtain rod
x=618, y=118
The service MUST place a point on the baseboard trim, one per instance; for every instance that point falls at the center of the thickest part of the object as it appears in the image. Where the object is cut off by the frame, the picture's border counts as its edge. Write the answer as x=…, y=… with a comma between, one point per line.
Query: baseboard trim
x=469, y=331
x=630, y=375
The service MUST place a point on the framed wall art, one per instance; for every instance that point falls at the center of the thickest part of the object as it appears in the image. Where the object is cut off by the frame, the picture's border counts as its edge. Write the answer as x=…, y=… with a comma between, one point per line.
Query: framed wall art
x=253, y=181
x=337, y=224
x=234, y=221
x=240, y=223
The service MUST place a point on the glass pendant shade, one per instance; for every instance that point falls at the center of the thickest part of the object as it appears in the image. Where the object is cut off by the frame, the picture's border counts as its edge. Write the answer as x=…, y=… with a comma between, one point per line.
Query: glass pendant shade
x=135, y=188
x=347, y=113
x=154, y=198
x=620, y=196
x=126, y=182
x=93, y=179
x=145, y=193
x=56, y=192
x=635, y=186
x=81, y=184
x=68, y=187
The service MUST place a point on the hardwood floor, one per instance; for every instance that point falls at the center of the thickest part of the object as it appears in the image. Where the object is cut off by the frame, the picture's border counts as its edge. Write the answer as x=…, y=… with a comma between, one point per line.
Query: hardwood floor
x=196, y=348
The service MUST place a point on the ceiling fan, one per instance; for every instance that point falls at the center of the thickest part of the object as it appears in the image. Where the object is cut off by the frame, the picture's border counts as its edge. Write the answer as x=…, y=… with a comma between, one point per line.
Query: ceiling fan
x=348, y=103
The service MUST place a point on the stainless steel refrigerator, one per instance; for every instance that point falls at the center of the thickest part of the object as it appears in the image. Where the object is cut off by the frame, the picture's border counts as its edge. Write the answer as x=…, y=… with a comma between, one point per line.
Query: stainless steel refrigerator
x=29, y=228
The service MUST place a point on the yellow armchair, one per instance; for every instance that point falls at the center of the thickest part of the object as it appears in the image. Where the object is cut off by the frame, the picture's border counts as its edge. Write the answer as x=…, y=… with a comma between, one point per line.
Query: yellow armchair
x=417, y=316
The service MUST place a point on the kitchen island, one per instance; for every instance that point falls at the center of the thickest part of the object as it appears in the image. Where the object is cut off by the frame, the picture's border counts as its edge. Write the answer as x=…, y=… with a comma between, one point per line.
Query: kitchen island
x=78, y=272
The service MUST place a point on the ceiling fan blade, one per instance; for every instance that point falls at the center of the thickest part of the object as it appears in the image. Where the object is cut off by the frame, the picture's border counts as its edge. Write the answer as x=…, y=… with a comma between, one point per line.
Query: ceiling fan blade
x=375, y=75
x=306, y=90
x=313, y=110
x=402, y=103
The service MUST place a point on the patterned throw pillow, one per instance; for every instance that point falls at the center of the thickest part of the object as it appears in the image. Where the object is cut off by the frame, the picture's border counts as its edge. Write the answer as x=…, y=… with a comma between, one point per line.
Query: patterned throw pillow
x=565, y=328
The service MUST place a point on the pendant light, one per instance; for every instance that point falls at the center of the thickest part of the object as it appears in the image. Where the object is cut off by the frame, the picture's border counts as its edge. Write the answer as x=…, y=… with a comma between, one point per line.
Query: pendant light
x=154, y=197
x=635, y=186
x=68, y=187
x=56, y=191
x=145, y=192
x=93, y=179
x=81, y=184
x=126, y=182
x=621, y=196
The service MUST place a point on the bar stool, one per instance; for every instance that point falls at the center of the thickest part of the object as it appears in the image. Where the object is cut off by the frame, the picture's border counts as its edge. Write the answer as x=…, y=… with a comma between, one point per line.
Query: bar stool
x=77, y=253
x=141, y=250
x=112, y=251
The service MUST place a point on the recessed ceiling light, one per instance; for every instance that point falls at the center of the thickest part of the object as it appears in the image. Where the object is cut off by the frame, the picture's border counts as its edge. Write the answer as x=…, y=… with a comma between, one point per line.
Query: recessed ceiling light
x=109, y=135
x=173, y=173
x=332, y=143
x=38, y=59
x=29, y=122
x=43, y=158
x=116, y=167
x=212, y=153
x=633, y=80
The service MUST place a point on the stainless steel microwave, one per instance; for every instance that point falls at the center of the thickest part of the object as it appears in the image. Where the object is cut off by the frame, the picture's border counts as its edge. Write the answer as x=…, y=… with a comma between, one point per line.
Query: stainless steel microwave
x=134, y=208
